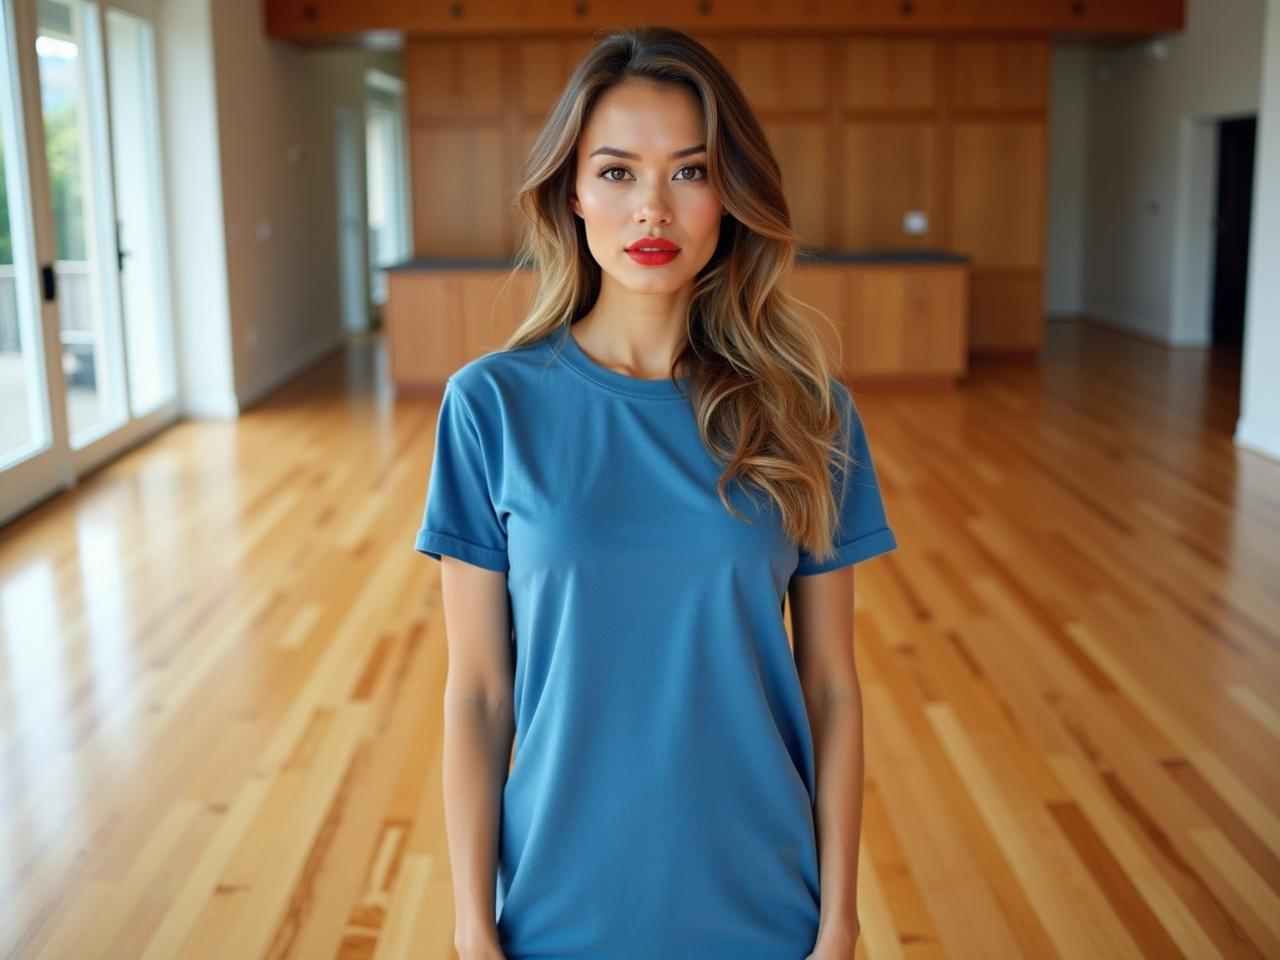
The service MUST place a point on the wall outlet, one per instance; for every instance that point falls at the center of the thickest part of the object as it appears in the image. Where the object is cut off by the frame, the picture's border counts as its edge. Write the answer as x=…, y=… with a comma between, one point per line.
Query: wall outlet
x=915, y=222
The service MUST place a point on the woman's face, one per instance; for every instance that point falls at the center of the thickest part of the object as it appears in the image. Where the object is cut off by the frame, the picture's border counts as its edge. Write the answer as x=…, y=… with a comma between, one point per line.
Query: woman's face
x=659, y=188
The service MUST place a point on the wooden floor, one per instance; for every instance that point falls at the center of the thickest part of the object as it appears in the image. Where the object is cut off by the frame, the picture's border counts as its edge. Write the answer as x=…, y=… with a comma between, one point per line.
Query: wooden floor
x=223, y=662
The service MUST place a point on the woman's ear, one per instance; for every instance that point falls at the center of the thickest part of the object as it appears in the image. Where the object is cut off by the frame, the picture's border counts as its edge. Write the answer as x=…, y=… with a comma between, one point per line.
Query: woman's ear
x=573, y=204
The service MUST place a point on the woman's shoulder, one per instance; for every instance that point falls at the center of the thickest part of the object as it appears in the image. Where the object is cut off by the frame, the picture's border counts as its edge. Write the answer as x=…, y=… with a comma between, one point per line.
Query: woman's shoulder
x=502, y=374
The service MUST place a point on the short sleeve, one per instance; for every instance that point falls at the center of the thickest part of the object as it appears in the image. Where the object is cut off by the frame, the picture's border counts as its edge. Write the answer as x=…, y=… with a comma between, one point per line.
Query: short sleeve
x=459, y=518
x=863, y=529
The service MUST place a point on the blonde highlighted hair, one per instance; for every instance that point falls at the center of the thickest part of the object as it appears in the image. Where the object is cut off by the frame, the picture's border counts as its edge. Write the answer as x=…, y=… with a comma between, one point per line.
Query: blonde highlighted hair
x=760, y=382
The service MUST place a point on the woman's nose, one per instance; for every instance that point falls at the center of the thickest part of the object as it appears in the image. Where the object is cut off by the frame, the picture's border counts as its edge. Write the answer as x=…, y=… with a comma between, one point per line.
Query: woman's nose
x=653, y=203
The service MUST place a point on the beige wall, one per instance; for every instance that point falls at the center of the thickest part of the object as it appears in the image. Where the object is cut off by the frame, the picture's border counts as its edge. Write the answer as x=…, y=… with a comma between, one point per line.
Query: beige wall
x=1149, y=160
x=1259, y=424
x=279, y=195
x=1068, y=141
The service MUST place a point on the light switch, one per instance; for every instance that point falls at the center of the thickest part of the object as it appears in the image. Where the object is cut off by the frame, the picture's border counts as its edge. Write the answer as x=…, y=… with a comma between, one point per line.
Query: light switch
x=915, y=222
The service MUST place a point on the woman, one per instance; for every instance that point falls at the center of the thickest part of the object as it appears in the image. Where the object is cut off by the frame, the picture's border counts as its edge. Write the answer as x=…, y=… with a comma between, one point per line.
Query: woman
x=621, y=499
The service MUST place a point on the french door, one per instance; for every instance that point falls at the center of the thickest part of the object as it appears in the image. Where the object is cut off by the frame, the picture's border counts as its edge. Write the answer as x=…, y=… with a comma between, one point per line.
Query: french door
x=87, y=360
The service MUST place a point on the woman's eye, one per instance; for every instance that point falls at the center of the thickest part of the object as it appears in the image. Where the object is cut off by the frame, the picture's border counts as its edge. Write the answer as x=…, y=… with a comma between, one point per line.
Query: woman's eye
x=605, y=173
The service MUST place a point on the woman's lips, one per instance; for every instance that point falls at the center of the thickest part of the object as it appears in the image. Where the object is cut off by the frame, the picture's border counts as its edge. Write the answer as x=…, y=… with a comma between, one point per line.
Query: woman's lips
x=652, y=258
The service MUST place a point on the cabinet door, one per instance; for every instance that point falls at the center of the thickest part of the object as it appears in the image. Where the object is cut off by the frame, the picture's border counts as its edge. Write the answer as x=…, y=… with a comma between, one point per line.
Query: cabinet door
x=1122, y=16
x=459, y=189
x=825, y=289
x=801, y=147
x=997, y=192
x=543, y=68
x=784, y=74
x=328, y=18
x=890, y=74
x=999, y=74
x=1003, y=14
x=889, y=168
x=425, y=341
x=1006, y=312
x=494, y=303
x=454, y=78
x=907, y=319
x=880, y=14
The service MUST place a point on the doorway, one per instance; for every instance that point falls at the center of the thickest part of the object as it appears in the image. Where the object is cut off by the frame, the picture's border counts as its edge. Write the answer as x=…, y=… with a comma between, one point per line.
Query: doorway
x=1236, y=139
x=87, y=363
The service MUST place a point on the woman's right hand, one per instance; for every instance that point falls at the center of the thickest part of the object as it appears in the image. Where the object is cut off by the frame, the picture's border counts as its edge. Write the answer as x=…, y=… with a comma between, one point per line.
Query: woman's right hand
x=490, y=950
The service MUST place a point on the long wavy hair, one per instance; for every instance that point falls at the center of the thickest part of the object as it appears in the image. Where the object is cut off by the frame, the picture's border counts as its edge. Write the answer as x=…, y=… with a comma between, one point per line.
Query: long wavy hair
x=760, y=384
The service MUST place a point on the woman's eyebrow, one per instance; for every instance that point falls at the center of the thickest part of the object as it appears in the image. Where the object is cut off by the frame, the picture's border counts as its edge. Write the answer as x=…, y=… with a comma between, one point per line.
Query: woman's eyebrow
x=615, y=152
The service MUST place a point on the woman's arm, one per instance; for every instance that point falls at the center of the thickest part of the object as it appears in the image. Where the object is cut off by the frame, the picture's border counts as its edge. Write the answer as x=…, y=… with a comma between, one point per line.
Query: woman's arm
x=479, y=729
x=822, y=635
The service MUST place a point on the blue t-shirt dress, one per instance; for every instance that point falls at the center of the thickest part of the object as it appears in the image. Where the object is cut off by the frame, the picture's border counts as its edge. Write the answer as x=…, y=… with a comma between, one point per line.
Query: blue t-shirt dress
x=661, y=799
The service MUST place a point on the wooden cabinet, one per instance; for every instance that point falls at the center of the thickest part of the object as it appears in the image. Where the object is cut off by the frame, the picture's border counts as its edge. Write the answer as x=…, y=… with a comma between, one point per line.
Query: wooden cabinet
x=895, y=320
x=877, y=320
x=321, y=21
x=1006, y=312
x=890, y=74
x=803, y=153
x=542, y=68
x=459, y=197
x=999, y=74
x=997, y=188
x=436, y=320
x=454, y=78
x=788, y=73
x=889, y=168
x=907, y=320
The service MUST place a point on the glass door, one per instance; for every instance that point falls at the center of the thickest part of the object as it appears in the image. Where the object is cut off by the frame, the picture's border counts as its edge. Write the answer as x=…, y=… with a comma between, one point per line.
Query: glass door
x=33, y=451
x=100, y=189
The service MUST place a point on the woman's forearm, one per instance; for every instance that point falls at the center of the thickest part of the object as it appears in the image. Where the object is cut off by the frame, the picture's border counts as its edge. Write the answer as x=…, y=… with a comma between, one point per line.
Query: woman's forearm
x=838, y=745
x=476, y=757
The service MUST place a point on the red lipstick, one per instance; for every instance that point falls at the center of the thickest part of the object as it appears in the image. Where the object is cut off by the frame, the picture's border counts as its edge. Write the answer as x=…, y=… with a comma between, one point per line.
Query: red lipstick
x=653, y=251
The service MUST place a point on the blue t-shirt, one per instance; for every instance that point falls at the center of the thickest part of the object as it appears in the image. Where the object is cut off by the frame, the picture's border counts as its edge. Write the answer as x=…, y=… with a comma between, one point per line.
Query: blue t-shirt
x=661, y=799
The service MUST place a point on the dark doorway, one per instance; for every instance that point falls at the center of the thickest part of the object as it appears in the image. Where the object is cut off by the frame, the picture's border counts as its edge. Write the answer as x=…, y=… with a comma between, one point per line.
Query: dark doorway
x=1231, y=228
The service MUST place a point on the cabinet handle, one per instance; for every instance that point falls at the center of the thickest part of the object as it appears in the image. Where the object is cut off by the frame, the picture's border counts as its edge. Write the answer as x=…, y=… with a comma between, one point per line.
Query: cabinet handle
x=704, y=8
x=1077, y=8
x=455, y=10
x=906, y=8
x=309, y=11
x=581, y=9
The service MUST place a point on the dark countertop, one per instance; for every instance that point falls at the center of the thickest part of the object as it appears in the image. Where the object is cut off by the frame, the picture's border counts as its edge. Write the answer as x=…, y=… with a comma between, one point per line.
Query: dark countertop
x=804, y=257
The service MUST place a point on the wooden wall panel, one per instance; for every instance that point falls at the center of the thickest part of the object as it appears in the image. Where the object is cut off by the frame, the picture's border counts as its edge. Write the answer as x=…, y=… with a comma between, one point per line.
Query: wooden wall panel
x=889, y=167
x=542, y=69
x=905, y=319
x=785, y=73
x=460, y=184
x=422, y=348
x=494, y=303
x=889, y=74
x=344, y=21
x=1006, y=312
x=801, y=147
x=997, y=192
x=825, y=288
x=454, y=78
x=865, y=128
x=999, y=74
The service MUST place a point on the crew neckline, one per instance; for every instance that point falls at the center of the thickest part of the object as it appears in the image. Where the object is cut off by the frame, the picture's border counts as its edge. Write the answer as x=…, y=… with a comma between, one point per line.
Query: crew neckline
x=577, y=358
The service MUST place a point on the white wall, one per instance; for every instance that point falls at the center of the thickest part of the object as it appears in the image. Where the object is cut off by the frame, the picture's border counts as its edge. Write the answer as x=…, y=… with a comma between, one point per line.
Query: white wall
x=279, y=195
x=1259, y=424
x=1150, y=146
x=252, y=197
x=197, y=252
x=1068, y=140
